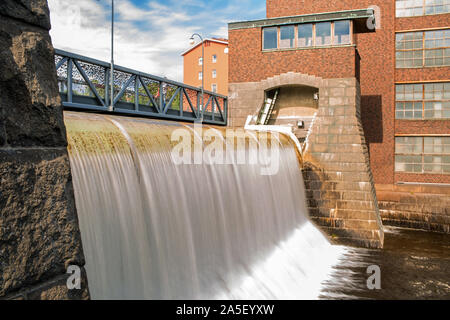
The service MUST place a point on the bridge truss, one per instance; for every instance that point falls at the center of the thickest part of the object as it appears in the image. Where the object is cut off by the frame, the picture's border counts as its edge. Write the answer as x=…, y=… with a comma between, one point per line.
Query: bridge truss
x=84, y=85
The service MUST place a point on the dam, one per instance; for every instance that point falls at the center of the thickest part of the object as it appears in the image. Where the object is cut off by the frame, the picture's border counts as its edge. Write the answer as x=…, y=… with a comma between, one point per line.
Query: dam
x=230, y=232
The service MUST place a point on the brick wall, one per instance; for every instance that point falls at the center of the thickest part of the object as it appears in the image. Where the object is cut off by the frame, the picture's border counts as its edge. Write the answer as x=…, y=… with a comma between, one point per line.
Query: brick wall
x=377, y=69
x=378, y=78
x=248, y=63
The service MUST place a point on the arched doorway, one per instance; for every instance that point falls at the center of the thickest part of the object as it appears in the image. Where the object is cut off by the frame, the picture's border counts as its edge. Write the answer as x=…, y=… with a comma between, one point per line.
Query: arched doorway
x=290, y=105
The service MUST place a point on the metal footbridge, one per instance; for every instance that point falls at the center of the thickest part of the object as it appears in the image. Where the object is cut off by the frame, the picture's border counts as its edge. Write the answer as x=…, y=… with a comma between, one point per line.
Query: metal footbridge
x=84, y=84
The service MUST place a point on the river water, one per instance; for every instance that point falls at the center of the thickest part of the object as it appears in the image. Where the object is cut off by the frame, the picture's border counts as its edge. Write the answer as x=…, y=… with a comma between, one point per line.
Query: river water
x=413, y=264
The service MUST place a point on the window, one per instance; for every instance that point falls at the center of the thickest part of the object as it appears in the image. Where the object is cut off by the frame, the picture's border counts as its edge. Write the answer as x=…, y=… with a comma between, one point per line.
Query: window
x=214, y=58
x=200, y=61
x=214, y=87
x=422, y=101
x=408, y=154
x=308, y=35
x=437, y=48
x=270, y=38
x=409, y=103
x=341, y=32
x=437, y=6
x=436, y=156
x=323, y=34
x=287, y=37
x=200, y=75
x=409, y=49
x=412, y=8
x=214, y=74
x=305, y=35
x=409, y=8
x=437, y=100
x=422, y=154
x=423, y=49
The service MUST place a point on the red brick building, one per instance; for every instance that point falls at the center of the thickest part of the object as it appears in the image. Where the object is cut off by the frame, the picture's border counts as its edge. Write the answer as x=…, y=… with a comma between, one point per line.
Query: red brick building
x=402, y=64
x=215, y=65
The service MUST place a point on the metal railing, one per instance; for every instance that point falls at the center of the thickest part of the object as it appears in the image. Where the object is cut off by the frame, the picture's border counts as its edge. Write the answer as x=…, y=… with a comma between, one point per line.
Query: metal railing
x=84, y=85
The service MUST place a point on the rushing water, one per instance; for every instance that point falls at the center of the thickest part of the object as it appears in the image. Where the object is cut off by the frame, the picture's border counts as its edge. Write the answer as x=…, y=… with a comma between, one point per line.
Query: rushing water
x=152, y=229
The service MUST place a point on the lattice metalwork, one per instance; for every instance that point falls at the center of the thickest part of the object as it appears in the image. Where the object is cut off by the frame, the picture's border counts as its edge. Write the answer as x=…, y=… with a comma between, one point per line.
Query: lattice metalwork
x=84, y=84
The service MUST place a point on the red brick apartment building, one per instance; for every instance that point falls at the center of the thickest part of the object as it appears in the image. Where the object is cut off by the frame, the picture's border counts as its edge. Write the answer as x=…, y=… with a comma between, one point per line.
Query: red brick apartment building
x=401, y=64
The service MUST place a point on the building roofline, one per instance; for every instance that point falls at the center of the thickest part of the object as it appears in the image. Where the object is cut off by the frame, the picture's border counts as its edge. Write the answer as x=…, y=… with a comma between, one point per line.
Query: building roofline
x=306, y=18
x=205, y=40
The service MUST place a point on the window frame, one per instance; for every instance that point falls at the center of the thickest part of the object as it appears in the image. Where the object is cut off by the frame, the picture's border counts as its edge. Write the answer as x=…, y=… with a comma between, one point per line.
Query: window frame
x=313, y=32
x=424, y=50
x=331, y=34
x=334, y=33
x=294, y=44
x=214, y=74
x=423, y=100
x=424, y=9
x=314, y=38
x=424, y=154
x=264, y=38
x=214, y=58
x=212, y=87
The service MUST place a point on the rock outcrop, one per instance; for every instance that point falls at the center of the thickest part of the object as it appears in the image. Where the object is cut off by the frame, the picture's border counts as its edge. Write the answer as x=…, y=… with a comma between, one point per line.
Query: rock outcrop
x=39, y=233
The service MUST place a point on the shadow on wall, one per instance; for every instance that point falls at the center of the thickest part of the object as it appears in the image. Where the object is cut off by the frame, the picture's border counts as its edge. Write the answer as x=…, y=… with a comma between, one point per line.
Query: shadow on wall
x=372, y=119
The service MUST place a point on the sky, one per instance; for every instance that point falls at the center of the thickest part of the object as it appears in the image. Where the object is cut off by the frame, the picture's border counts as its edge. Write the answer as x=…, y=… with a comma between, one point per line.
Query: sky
x=150, y=35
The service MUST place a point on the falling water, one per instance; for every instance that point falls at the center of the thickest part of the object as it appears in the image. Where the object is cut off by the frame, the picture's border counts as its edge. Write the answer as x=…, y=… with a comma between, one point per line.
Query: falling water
x=152, y=229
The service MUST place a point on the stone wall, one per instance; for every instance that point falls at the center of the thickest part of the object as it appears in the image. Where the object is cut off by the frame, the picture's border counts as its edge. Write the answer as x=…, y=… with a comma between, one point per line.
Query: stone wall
x=340, y=188
x=338, y=178
x=417, y=206
x=39, y=233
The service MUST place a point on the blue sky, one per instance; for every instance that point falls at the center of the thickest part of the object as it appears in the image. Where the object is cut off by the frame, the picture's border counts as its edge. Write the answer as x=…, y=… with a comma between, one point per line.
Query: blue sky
x=150, y=35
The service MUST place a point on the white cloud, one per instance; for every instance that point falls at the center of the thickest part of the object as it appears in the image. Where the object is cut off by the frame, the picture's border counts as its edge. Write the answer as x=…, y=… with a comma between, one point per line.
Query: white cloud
x=148, y=38
x=154, y=47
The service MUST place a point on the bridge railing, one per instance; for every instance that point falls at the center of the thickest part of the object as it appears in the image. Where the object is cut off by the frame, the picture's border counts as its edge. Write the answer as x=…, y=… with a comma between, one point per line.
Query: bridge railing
x=84, y=84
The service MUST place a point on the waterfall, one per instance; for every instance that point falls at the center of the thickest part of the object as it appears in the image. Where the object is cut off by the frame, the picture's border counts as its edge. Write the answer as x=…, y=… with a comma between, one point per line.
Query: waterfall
x=153, y=229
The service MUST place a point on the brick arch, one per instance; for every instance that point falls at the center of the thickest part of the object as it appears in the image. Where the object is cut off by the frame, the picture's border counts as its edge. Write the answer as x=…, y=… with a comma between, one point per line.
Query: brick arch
x=246, y=98
x=292, y=78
